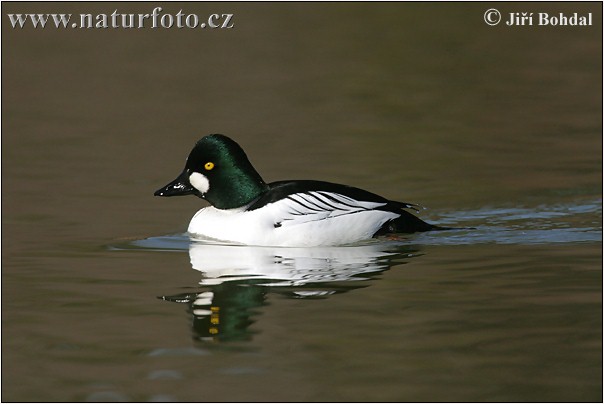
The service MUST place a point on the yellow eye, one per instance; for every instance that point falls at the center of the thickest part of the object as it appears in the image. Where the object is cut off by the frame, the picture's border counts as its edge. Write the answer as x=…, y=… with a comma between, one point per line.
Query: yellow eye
x=209, y=165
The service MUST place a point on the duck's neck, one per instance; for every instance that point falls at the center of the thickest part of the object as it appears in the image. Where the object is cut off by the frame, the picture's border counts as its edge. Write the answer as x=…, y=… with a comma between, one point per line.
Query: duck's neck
x=240, y=188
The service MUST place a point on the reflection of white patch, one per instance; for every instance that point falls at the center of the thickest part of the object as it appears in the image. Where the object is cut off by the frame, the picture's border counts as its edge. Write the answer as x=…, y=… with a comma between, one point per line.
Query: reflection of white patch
x=285, y=266
x=200, y=182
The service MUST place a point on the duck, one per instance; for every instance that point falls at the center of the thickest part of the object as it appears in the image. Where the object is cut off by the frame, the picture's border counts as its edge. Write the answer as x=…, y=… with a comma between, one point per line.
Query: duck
x=246, y=210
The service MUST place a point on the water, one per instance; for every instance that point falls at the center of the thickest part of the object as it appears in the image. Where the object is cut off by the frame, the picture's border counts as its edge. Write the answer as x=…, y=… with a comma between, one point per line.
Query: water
x=104, y=298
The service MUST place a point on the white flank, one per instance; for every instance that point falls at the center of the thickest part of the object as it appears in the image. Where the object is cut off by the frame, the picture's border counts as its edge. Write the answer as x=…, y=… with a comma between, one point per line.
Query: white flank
x=299, y=220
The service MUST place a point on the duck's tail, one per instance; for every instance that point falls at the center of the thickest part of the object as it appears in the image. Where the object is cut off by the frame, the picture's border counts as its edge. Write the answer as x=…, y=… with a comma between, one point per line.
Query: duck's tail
x=408, y=223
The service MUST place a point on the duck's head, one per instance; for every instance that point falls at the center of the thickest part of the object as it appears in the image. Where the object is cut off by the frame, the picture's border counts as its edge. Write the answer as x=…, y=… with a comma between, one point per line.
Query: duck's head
x=218, y=171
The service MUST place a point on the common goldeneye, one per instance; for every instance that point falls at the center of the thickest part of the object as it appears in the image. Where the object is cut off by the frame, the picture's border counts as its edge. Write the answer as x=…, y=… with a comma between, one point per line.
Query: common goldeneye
x=298, y=213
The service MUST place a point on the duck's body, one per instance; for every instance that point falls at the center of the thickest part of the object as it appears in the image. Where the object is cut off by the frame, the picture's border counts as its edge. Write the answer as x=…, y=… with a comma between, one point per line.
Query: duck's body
x=300, y=213
x=305, y=214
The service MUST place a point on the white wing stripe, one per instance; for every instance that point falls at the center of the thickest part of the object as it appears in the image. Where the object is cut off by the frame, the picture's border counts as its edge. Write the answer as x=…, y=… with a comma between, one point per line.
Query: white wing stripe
x=325, y=204
x=322, y=203
x=344, y=200
x=305, y=205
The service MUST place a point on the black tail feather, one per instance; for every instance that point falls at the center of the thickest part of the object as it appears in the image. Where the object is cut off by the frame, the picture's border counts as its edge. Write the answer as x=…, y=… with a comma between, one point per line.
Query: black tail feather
x=407, y=223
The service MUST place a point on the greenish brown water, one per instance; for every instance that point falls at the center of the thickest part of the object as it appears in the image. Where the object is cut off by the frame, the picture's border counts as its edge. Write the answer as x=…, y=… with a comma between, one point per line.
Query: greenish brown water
x=500, y=128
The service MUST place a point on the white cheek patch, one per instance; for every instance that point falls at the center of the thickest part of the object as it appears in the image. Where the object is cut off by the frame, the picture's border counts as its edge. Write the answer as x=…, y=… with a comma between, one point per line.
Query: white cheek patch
x=200, y=182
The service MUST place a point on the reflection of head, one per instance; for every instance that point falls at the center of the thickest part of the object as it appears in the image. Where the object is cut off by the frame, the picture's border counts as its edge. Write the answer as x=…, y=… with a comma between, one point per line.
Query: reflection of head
x=224, y=313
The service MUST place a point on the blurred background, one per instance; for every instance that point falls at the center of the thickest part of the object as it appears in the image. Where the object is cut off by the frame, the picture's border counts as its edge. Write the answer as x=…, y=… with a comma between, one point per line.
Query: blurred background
x=422, y=103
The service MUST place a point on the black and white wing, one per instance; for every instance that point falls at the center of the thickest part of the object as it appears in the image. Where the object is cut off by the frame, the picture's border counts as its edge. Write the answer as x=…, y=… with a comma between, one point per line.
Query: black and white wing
x=313, y=206
x=303, y=201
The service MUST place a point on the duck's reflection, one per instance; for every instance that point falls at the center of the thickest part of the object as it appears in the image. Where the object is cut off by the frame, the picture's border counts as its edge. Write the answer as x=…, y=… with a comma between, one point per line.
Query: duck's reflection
x=236, y=280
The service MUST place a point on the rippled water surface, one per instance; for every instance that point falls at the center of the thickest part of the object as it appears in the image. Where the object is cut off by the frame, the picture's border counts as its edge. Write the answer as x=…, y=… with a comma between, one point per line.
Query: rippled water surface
x=499, y=129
